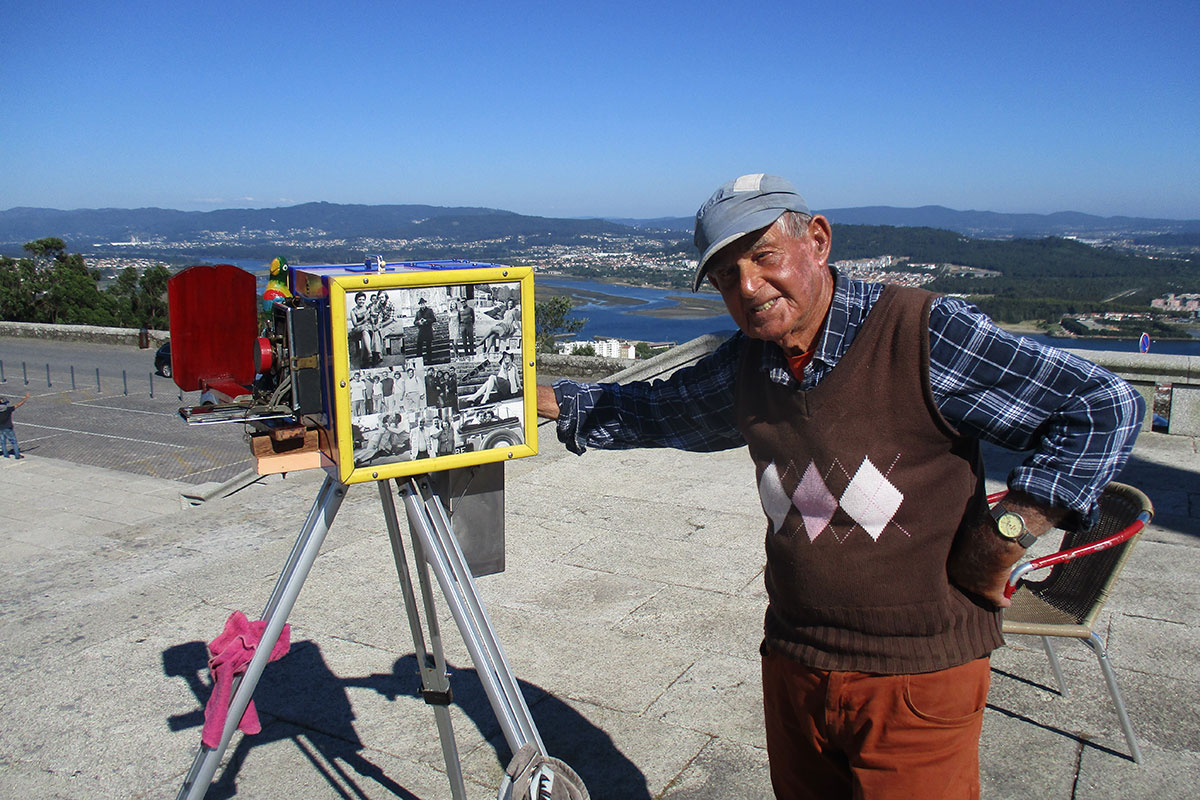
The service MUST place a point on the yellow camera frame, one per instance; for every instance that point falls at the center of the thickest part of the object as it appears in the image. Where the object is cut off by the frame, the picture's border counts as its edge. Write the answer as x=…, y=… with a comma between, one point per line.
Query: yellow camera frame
x=341, y=451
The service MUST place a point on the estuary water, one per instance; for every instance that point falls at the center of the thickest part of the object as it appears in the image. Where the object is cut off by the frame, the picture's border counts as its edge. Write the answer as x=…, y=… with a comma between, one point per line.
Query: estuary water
x=609, y=314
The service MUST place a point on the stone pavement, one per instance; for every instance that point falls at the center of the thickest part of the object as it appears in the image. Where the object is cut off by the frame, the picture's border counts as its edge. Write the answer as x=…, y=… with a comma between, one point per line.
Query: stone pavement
x=630, y=609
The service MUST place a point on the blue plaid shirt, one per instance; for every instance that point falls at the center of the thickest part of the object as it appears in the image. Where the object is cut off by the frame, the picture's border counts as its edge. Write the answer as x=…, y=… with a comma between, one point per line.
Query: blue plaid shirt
x=1079, y=419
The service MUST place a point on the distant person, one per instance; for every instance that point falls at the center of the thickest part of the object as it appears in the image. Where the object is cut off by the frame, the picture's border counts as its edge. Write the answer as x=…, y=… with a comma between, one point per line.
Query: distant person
x=436, y=430
x=420, y=440
x=383, y=322
x=509, y=325
x=425, y=321
x=360, y=328
x=501, y=385
x=377, y=395
x=455, y=329
x=358, y=397
x=396, y=433
x=466, y=328
x=7, y=435
x=414, y=391
x=862, y=407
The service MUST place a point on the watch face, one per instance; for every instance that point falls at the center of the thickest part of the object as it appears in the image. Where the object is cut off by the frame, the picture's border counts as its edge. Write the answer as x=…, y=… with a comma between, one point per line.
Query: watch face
x=1010, y=525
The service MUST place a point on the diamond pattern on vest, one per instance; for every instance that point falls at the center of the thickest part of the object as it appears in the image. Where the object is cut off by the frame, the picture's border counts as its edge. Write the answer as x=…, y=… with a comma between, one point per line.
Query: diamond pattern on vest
x=870, y=499
x=814, y=501
x=775, y=500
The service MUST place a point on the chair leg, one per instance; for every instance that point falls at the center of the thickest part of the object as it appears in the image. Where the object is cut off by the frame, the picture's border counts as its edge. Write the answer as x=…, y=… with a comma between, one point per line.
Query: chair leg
x=1110, y=678
x=1058, y=676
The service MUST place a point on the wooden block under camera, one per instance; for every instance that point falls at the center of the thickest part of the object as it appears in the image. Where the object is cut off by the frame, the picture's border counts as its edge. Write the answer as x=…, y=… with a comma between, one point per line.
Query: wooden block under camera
x=288, y=455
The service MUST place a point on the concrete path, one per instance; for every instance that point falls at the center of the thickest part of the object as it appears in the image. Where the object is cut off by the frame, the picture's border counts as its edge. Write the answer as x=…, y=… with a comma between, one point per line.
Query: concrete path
x=631, y=610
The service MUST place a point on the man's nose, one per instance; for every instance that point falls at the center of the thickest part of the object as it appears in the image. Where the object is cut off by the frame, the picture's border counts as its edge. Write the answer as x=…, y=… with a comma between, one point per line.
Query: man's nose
x=749, y=277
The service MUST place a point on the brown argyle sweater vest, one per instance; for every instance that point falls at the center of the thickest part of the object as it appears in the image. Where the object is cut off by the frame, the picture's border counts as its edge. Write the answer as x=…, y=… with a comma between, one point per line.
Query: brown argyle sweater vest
x=865, y=485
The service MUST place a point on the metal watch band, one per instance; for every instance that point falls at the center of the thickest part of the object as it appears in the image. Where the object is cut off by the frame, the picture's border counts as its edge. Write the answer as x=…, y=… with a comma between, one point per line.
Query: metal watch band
x=1024, y=538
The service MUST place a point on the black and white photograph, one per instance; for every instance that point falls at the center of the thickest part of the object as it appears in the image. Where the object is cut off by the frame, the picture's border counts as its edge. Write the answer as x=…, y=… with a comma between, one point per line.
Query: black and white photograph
x=434, y=370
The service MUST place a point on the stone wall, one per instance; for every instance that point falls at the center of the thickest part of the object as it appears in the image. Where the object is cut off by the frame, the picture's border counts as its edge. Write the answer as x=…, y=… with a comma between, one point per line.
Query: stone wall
x=80, y=333
x=1146, y=371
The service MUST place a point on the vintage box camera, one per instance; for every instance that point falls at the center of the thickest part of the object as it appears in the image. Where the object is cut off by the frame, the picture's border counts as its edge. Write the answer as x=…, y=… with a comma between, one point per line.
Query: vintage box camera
x=371, y=371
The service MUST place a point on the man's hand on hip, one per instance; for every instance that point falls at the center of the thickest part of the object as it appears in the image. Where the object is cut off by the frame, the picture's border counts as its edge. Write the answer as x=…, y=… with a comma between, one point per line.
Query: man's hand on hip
x=981, y=559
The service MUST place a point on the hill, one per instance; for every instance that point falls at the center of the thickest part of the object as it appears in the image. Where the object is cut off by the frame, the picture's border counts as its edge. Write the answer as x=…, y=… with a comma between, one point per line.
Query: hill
x=351, y=221
x=993, y=224
x=313, y=220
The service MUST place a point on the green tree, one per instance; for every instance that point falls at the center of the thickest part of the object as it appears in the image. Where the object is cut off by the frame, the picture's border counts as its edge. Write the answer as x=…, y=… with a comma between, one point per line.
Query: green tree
x=152, y=297
x=46, y=249
x=18, y=279
x=551, y=320
x=73, y=295
x=124, y=293
x=53, y=286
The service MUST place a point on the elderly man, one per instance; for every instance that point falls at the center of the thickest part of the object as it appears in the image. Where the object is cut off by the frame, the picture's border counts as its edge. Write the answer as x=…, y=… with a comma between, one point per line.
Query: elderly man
x=863, y=406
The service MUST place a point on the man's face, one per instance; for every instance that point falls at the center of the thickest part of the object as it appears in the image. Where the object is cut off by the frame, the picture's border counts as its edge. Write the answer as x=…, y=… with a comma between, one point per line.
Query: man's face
x=775, y=286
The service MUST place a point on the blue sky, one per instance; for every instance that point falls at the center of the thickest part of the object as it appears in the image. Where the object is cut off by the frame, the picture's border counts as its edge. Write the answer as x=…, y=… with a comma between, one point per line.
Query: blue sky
x=617, y=109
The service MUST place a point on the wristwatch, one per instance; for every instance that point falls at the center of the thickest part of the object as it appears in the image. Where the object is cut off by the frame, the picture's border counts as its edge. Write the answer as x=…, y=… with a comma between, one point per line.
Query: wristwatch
x=1011, y=526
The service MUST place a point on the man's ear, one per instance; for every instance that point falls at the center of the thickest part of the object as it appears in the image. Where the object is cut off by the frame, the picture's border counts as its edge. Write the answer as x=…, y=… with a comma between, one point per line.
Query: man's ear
x=822, y=236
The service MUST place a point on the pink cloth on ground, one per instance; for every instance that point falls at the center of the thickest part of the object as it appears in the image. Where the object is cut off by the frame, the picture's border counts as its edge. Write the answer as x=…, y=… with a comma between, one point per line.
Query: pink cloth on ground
x=231, y=654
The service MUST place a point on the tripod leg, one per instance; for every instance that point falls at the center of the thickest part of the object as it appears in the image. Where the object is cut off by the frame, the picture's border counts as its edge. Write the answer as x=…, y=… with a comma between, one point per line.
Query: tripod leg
x=287, y=588
x=454, y=576
x=319, y=509
x=435, y=684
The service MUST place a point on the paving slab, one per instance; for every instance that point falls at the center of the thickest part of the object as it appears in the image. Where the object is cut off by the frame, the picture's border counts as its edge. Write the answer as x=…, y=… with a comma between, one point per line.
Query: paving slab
x=630, y=610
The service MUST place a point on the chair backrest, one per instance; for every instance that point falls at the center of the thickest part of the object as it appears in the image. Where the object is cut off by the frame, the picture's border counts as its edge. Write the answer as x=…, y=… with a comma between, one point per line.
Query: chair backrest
x=1080, y=586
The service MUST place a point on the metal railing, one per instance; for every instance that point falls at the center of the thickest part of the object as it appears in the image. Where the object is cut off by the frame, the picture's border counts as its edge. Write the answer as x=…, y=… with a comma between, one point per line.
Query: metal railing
x=71, y=379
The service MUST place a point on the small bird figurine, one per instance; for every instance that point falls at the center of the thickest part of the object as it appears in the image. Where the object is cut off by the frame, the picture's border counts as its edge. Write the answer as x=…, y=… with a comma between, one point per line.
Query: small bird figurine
x=277, y=284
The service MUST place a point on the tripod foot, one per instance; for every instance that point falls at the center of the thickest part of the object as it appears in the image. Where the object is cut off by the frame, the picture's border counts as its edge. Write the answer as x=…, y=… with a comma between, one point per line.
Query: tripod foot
x=531, y=775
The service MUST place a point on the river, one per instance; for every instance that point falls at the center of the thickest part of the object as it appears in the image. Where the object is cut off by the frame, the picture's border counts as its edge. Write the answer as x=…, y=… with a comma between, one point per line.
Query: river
x=615, y=317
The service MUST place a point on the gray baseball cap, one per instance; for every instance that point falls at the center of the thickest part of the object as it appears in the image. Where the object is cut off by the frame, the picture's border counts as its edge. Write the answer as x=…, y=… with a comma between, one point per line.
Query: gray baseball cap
x=738, y=207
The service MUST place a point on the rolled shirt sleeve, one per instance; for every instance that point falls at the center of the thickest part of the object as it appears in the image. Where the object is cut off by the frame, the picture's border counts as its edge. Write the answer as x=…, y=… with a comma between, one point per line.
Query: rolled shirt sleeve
x=1079, y=419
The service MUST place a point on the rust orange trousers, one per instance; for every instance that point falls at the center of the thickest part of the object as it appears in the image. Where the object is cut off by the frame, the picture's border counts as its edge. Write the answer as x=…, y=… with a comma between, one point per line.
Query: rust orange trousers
x=858, y=736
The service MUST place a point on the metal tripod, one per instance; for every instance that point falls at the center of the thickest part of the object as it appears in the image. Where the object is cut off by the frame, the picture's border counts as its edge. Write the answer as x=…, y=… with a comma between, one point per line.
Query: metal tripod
x=434, y=545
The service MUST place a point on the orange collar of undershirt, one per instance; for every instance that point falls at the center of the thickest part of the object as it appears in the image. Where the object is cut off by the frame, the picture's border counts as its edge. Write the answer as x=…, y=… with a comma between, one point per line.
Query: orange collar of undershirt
x=797, y=363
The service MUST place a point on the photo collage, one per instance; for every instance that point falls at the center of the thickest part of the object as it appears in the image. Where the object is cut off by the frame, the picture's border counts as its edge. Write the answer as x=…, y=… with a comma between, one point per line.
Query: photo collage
x=434, y=370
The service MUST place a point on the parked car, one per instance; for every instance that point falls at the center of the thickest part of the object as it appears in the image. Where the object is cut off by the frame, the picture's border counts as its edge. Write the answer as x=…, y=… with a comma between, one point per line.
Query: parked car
x=162, y=360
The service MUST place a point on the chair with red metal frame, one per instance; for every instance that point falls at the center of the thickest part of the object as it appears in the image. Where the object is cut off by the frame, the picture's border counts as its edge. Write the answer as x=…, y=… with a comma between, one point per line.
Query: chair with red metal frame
x=1069, y=599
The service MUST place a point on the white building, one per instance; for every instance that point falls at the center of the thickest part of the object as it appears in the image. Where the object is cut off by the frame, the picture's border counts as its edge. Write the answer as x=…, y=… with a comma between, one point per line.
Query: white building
x=610, y=348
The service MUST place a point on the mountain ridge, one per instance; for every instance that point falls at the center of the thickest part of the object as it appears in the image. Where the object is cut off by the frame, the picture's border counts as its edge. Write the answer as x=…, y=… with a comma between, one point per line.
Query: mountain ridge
x=971, y=222
x=349, y=220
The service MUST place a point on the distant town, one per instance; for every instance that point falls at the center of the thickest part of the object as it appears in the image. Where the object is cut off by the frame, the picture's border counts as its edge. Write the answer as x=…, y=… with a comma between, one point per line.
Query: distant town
x=642, y=260
x=1103, y=277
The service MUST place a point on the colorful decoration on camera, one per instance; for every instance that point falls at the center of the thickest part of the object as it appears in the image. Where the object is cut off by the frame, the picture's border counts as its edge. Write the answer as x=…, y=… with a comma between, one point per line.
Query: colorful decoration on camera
x=277, y=284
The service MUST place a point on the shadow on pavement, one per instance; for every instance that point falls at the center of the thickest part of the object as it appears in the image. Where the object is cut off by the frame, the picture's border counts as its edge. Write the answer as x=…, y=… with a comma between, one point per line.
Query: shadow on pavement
x=303, y=693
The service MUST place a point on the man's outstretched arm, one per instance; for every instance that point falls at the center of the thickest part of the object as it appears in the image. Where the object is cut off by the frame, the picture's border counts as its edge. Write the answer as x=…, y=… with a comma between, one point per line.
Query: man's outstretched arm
x=547, y=402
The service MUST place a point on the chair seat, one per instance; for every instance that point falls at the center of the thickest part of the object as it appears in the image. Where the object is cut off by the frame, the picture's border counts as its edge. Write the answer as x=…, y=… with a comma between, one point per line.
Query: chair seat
x=1031, y=614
